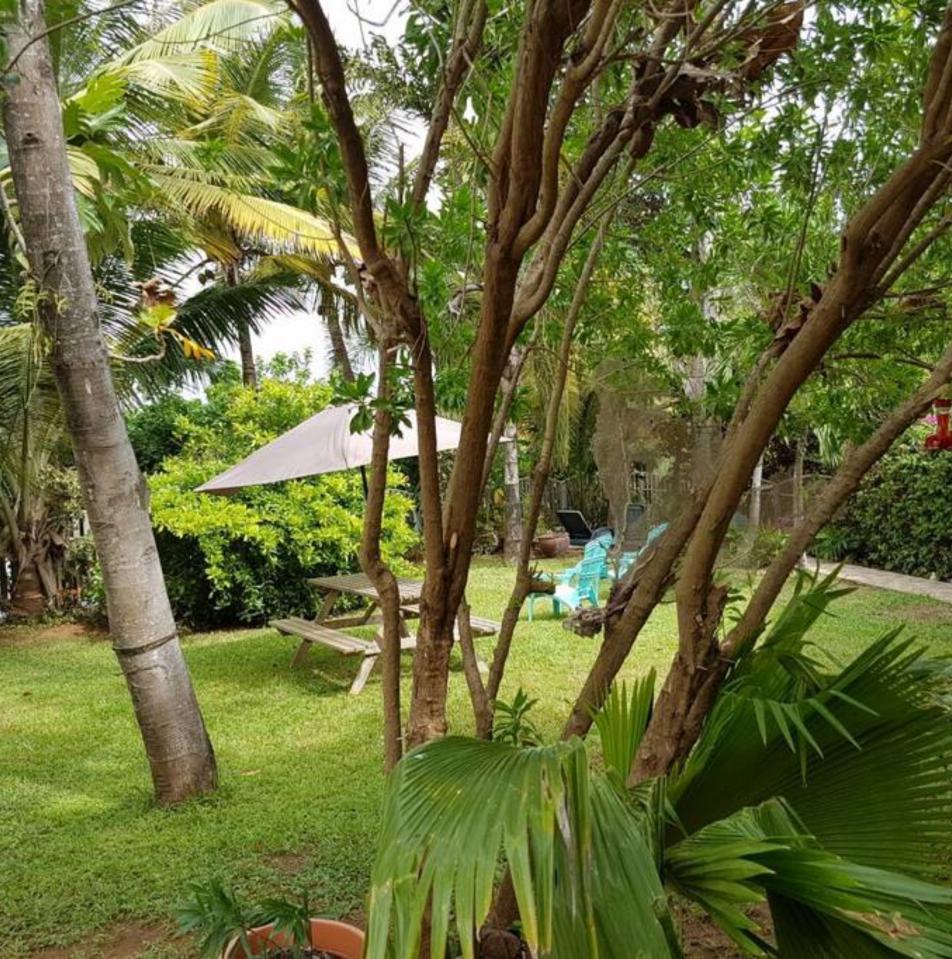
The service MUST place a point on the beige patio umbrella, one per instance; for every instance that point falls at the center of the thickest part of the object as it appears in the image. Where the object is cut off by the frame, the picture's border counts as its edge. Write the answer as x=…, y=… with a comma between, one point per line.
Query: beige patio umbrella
x=323, y=444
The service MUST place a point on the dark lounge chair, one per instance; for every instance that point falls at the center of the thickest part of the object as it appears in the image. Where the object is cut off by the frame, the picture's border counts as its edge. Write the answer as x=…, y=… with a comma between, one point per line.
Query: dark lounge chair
x=573, y=522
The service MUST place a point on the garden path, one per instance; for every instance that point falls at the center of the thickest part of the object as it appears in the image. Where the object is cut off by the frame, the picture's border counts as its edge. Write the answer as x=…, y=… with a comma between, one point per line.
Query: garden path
x=881, y=579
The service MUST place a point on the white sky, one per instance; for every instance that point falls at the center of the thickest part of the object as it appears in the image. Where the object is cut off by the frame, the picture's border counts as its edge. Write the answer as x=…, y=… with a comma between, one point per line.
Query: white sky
x=299, y=331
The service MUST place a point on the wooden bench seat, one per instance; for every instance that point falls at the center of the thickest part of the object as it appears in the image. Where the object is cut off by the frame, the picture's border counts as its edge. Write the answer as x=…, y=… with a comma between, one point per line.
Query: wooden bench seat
x=313, y=632
x=481, y=626
x=310, y=632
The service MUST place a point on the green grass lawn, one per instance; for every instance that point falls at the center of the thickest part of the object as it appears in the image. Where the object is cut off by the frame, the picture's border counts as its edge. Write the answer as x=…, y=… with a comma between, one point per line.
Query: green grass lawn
x=82, y=849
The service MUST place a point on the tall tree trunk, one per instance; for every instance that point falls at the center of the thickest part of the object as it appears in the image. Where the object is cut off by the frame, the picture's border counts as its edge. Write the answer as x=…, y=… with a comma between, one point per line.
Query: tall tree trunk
x=379, y=572
x=338, y=343
x=249, y=373
x=28, y=598
x=143, y=629
x=513, y=504
x=4, y=580
x=483, y=704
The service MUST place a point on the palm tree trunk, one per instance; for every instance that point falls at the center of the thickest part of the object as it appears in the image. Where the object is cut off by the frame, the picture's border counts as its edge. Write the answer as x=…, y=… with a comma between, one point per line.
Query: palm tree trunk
x=27, y=598
x=756, y=496
x=338, y=344
x=116, y=498
x=249, y=372
x=798, y=464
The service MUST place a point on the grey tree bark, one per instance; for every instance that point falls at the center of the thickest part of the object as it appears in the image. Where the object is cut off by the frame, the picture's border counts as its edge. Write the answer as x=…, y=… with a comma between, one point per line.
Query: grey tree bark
x=249, y=372
x=143, y=630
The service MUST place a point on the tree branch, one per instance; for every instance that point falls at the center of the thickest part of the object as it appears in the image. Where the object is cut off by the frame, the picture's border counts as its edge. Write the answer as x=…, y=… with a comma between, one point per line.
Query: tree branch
x=466, y=42
x=330, y=70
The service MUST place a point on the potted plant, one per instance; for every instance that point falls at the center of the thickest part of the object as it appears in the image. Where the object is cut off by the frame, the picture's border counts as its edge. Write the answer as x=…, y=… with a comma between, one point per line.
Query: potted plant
x=552, y=544
x=275, y=929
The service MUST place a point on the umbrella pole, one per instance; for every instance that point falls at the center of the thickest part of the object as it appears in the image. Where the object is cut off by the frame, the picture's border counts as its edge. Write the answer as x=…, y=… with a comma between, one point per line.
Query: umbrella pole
x=363, y=478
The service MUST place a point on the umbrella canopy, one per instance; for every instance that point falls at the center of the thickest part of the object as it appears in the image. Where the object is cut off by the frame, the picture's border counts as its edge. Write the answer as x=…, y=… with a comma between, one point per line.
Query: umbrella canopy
x=323, y=444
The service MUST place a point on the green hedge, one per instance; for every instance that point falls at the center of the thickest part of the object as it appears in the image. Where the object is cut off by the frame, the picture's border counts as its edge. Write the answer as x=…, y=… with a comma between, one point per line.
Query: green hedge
x=244, y=558
x=901, y=517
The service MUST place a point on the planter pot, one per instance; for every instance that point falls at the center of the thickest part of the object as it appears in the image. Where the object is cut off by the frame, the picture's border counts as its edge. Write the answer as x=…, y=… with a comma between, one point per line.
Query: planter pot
x=335, y=937
x=550, y=545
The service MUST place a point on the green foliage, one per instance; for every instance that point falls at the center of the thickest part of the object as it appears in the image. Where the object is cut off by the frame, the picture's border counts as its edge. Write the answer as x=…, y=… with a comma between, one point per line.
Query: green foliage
x=153, y=429
x=901, y=517
x=621, y=722
x=359, y=393
x=245, y=557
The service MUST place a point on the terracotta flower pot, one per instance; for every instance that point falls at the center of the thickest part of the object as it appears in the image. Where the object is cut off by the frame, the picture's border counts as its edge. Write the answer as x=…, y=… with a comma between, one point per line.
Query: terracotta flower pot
x=335, y=937
x=550, y=545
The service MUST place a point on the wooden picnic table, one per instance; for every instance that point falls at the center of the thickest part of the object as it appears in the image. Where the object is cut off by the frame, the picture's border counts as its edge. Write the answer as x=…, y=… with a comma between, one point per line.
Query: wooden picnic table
x=359, y=584
x=325, y=629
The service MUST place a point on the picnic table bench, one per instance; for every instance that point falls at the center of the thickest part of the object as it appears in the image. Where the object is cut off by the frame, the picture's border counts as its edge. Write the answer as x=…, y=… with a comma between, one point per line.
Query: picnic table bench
x=328, y=631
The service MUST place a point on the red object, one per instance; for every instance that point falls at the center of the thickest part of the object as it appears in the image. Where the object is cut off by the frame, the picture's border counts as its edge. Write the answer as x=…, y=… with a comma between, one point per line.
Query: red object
x=337, y=938
x=941, y=439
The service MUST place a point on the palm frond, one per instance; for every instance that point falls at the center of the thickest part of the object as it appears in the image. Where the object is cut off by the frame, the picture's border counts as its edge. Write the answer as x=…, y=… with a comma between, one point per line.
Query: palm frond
x=539, y=812
x=189, y=75
x=223, y=24
x=255, y=218
x=621, y=723
x=767, y=850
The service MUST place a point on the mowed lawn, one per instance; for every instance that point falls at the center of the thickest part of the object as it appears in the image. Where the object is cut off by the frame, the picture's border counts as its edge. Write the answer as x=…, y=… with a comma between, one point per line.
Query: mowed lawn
x=83, y=852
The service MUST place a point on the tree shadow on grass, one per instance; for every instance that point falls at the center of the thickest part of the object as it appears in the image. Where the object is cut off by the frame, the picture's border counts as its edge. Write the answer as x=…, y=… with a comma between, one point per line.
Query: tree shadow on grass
x=262, y=658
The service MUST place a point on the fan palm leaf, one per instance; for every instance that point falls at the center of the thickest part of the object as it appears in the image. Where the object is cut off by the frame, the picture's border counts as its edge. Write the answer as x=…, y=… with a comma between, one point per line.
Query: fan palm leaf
x=767, y=851
x=582, y=869
x=875, y=731
x=833, y=807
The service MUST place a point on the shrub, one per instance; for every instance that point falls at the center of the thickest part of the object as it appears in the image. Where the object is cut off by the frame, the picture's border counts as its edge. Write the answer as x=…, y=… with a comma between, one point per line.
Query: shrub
x=153, y=429
x=245, y=557
x=901, y=517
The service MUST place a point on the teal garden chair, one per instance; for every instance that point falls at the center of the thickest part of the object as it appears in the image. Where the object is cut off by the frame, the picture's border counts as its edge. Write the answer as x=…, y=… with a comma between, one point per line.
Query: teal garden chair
x=627, y=560
x=596, y=548
x=574, y=587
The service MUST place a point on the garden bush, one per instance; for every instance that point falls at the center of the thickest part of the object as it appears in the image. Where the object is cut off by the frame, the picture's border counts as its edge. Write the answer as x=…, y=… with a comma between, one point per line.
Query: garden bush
x=901, y=517
x=245, y=557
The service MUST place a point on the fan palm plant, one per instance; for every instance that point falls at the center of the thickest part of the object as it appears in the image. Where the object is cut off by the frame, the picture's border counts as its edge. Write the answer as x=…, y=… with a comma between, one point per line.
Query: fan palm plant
x=825, y=794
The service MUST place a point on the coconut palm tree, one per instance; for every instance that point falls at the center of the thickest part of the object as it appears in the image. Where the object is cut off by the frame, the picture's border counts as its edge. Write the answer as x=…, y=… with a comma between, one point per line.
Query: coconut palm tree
x=172, y=134
x=61, y=283
x=823, y=793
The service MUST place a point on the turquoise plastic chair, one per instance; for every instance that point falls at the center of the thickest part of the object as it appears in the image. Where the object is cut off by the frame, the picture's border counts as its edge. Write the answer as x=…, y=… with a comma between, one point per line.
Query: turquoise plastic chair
x=599, y=546
x=594, y=549
x=581, y=585
x=627, y=560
